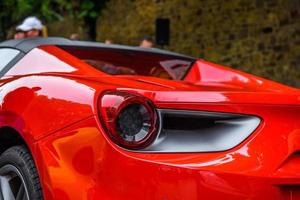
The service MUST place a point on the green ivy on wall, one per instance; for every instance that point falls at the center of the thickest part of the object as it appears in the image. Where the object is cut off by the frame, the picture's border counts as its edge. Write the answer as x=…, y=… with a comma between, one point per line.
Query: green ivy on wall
x=257, y=36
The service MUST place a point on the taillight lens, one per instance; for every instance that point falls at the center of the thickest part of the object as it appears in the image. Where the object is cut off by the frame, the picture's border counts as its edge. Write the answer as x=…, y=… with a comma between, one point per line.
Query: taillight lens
x=130, y=120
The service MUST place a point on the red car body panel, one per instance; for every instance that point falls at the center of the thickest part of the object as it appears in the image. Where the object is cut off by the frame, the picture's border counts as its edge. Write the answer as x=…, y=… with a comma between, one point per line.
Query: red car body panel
x=54, y=108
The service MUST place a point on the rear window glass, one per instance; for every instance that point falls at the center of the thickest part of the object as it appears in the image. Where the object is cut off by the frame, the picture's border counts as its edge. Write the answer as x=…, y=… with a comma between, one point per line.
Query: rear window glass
x=128, y=62
x=7, y=55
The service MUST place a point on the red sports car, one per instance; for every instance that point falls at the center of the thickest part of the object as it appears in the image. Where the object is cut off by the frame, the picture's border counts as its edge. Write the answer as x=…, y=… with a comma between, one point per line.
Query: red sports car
x=84, y=120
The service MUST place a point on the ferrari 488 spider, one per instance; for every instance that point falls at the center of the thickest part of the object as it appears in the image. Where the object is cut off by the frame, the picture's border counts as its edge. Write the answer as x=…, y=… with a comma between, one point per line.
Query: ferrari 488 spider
x=84, y=120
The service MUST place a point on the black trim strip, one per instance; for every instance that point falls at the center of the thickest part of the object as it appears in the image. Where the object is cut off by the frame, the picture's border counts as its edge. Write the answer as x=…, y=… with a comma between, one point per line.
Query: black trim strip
x=26, y=45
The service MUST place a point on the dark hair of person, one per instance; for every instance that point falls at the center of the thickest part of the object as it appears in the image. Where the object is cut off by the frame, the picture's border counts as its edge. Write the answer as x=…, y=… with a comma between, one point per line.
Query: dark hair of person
x=147, y=38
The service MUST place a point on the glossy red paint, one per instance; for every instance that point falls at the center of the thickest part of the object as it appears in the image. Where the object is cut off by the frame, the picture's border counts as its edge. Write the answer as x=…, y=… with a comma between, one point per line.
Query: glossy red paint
x=51, y=98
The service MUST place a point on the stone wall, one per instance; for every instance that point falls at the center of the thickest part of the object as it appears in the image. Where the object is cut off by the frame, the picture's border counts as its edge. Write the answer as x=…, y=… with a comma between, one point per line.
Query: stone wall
x=256, y=36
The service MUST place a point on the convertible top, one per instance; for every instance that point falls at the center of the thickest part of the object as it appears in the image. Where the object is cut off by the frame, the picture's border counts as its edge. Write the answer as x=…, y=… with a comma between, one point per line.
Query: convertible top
x=27, y=44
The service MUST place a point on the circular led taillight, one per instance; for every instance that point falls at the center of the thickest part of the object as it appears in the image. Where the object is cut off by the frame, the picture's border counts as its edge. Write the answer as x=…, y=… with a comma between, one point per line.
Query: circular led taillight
x=130, y=120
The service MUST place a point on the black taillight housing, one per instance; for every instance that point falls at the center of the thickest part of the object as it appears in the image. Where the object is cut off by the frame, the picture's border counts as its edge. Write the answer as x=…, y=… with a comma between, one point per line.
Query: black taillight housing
x=130, y=120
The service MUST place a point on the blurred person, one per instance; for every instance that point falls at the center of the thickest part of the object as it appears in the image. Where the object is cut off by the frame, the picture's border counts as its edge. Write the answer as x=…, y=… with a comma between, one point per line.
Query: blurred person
x=31, y=26
x=74, y=36
x=108, y=41
x=19, y=35
x=147, y=42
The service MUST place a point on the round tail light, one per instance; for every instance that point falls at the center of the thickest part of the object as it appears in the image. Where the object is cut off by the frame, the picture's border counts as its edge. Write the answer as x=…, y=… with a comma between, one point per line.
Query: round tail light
x=130, y=120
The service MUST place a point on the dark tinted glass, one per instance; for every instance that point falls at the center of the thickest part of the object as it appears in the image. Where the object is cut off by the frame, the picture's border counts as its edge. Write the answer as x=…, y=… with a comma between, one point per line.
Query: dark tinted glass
x=125, y=62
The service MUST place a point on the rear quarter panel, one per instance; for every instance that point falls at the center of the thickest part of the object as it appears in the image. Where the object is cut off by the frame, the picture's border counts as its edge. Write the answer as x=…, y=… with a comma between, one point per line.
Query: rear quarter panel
x=38, y=105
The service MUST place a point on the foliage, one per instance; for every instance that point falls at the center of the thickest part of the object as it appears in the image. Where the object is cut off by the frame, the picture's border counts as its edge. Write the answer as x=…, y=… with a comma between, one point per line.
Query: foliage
x=260, y=37
x=14, y=11
x=127, y=21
